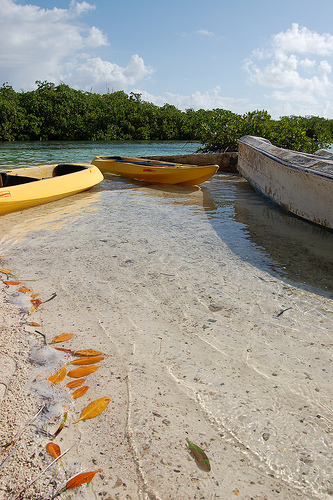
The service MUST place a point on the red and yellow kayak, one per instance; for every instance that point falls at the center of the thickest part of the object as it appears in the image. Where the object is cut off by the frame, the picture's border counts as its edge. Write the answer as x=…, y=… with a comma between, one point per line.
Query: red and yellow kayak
x=25, y=187
x=155, y=171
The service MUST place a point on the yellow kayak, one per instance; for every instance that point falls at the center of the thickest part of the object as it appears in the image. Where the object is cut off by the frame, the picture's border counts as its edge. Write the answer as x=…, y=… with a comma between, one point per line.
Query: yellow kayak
x=155, y=171
x=25, y=187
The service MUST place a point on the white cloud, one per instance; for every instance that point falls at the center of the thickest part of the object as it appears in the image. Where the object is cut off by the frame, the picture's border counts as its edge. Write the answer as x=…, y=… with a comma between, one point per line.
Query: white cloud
x=208, y=100
x=204, y=33
x=304, y=41
x=54, y=45
x=77, y=8
x=294, y=65
x=302, y=98
x=96, y=38
x=101, y=76
x=307, y=64
x=325, y=67
x=300, y=104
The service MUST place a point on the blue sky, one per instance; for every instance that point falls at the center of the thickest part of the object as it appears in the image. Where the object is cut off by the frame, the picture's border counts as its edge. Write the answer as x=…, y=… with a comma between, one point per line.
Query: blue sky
x=241, y=55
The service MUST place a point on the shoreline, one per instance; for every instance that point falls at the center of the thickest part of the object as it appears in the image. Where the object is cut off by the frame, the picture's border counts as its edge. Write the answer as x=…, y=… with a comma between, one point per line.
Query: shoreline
x=227, y=162
x=198, y=345
x=27, y=457
x=18, y=404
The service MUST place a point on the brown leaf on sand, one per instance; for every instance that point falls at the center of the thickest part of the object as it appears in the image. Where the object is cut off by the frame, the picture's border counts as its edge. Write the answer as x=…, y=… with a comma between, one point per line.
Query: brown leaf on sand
x=62, y=338
x=24, y=289
x=89, y=352
x=58, y=377
x=87, y=361
x=5, y=271
x=12, y=282
x=75, y=383
x=94, y=409
x=83, y=478
x=80, y=392
x=69, y=351
x=61, y=426
x=32, y=323
x=54, y=450
x=78, y=480
x=82, y=371
x=35, y=304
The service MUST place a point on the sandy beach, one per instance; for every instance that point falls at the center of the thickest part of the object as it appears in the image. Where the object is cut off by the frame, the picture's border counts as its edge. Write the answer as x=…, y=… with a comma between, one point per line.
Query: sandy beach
x=198, y=344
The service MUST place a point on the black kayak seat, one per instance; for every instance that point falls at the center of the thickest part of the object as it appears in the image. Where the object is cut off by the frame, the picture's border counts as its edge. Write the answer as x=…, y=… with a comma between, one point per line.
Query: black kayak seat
x=64, y=169
x=8, y=180
x=118, y=158
x=142, y=163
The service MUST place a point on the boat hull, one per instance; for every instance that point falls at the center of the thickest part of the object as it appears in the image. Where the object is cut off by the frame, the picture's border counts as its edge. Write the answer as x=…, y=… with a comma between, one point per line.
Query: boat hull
x=300, y=183
x=47, y=184
x=155, y=171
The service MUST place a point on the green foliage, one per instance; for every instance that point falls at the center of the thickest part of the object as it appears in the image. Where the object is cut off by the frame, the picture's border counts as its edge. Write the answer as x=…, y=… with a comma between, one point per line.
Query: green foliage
x=58, y=112
x=301, y=133
x=222, y=129
x=12, y=116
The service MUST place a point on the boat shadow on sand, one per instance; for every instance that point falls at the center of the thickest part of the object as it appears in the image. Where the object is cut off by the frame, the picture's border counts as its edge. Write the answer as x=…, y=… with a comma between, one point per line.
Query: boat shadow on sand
x=265, y=236
x=255, y=229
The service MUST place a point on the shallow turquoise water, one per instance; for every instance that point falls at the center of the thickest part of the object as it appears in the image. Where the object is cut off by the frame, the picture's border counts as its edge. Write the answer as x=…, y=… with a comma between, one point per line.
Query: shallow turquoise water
x=253, y=228
x=17, y=154
x=188, y=289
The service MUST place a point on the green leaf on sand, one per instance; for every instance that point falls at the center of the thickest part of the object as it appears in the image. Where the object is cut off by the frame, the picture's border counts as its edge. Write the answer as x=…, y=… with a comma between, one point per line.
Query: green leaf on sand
x=200, y=456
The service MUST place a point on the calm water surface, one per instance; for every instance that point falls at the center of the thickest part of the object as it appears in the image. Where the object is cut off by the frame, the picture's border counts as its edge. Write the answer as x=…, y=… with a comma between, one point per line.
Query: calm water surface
x=21, y=154
x=253, y=228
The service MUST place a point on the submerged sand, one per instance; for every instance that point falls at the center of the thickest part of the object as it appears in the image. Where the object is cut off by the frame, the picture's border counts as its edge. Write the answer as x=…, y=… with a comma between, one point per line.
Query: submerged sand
x=199, y=345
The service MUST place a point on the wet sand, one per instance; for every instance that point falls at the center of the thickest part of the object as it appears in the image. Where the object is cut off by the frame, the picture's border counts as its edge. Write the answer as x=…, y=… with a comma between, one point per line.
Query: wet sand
x=199, y=345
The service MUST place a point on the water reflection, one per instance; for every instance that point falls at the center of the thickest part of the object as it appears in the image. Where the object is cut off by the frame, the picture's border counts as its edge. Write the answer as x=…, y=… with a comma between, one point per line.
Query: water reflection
x=254, y=229
x=49, y=216
x=163, y=193
x=269, y=238
x=17, y=154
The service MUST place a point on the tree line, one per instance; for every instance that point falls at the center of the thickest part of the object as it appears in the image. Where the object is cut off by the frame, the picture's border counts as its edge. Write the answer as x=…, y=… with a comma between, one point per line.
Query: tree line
x=58, y=112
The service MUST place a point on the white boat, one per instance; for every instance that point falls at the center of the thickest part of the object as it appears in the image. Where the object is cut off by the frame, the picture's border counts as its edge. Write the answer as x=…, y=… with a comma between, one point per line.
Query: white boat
x=300, y=183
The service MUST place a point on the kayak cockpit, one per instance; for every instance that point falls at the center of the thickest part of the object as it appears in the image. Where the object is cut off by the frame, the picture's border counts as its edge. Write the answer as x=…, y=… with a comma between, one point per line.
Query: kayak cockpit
x=64, y=169
x=10, y=179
